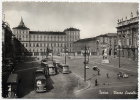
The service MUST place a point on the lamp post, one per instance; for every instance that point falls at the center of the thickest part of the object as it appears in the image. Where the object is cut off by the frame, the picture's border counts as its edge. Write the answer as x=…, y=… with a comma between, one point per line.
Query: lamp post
x=41, y=53
x=85, y=62
x=119, y=57
x=47, y=52
x=119, y=47
x=52, y=53
x=97, y=47
x=88, y=52
x=65, y=50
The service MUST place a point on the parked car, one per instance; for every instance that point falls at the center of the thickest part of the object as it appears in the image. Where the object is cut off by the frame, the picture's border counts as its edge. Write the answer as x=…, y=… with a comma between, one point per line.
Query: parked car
x=40, y=82
x=52, y=69
x=13, y=86
x=64, y=68
x=125, y=75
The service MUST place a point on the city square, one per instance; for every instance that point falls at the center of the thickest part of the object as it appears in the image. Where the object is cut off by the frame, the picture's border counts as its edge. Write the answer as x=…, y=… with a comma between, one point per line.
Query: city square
x=62, y=65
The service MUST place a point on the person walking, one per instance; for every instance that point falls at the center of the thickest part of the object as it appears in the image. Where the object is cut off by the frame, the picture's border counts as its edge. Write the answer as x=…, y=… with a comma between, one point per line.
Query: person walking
x=103, y=54
x=96, y=83
x=107, y=75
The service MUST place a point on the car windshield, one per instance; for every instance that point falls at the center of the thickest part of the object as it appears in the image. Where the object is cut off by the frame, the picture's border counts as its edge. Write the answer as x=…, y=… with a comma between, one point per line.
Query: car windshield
x=39, y=72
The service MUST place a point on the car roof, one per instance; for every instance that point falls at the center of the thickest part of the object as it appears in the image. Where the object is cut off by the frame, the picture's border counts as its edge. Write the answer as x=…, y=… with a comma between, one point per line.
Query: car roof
x=40, y=76
x=13, y=78
x=40, y=69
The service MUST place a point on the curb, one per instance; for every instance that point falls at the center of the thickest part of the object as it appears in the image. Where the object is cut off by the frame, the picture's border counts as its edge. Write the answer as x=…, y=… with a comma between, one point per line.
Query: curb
x=85, y=88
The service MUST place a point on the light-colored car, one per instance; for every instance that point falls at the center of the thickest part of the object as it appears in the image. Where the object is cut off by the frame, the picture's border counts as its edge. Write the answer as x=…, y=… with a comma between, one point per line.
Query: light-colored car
x=87, y=67
x=125, y=75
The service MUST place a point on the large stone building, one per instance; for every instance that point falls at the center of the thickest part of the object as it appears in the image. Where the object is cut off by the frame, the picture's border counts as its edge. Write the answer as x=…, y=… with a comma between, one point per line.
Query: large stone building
x=128, y=33
x=38, y=42
x=97, y=44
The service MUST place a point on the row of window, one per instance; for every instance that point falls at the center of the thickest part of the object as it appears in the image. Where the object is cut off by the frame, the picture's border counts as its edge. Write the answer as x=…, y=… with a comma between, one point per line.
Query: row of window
x=26, y=37
x=21, y=31
x=72, y=33
x=46, y=45
x=45, y=50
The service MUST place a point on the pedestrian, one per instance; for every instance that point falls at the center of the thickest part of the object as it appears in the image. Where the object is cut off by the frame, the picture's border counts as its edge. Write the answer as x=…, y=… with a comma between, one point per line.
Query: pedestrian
x=96, y=83
x=98, y=72
x=118, y=76
x=110, y=52
x=103, y=54
x=107, y=75
x=115, y=53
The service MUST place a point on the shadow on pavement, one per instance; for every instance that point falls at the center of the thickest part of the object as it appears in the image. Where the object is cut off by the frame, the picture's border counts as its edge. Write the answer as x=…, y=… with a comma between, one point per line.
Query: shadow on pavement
x=26, y=85
x=27, y=82
x=49, y=84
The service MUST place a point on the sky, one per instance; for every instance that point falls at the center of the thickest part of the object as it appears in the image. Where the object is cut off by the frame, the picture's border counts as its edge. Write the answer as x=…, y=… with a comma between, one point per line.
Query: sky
x=91, y=18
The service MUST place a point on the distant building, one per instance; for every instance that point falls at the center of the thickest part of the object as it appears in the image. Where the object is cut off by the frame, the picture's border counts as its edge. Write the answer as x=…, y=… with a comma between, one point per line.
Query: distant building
x=38, y=42
x=97, y=44
x=127, y=34
x=90, y=43
x=108, y=41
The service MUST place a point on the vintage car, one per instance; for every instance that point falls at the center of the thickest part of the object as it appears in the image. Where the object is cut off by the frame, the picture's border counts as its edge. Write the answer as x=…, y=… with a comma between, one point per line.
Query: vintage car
x=52, y=69
x=40, y=80
x=13, y=86
x=64, y=68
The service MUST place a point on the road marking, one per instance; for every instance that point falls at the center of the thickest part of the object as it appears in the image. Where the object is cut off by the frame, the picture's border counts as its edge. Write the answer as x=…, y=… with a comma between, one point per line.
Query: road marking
x=26, y=69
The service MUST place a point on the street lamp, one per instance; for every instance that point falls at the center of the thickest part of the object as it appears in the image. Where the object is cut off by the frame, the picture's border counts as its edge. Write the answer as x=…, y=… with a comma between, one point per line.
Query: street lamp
x=85, y=62
x=65, y=50
x=41, y=53
x=47, y=52
x=52, y=52
x=119, y=46
x=97, y=42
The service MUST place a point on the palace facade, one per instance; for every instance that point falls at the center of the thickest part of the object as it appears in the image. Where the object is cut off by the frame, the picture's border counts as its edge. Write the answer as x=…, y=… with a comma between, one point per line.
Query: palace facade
x=127, y=34
x=38, y=42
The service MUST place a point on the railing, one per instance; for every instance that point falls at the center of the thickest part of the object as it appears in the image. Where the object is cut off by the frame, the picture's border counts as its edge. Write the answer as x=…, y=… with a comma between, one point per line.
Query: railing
x=126, y=22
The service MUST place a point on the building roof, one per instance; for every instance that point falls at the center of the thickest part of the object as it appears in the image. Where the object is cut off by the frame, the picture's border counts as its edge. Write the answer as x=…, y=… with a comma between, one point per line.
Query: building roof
x=86, y=39
x=94, y=38
x=71, y=29
x=108, y=35
x=21, y=25
x=47, y=32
